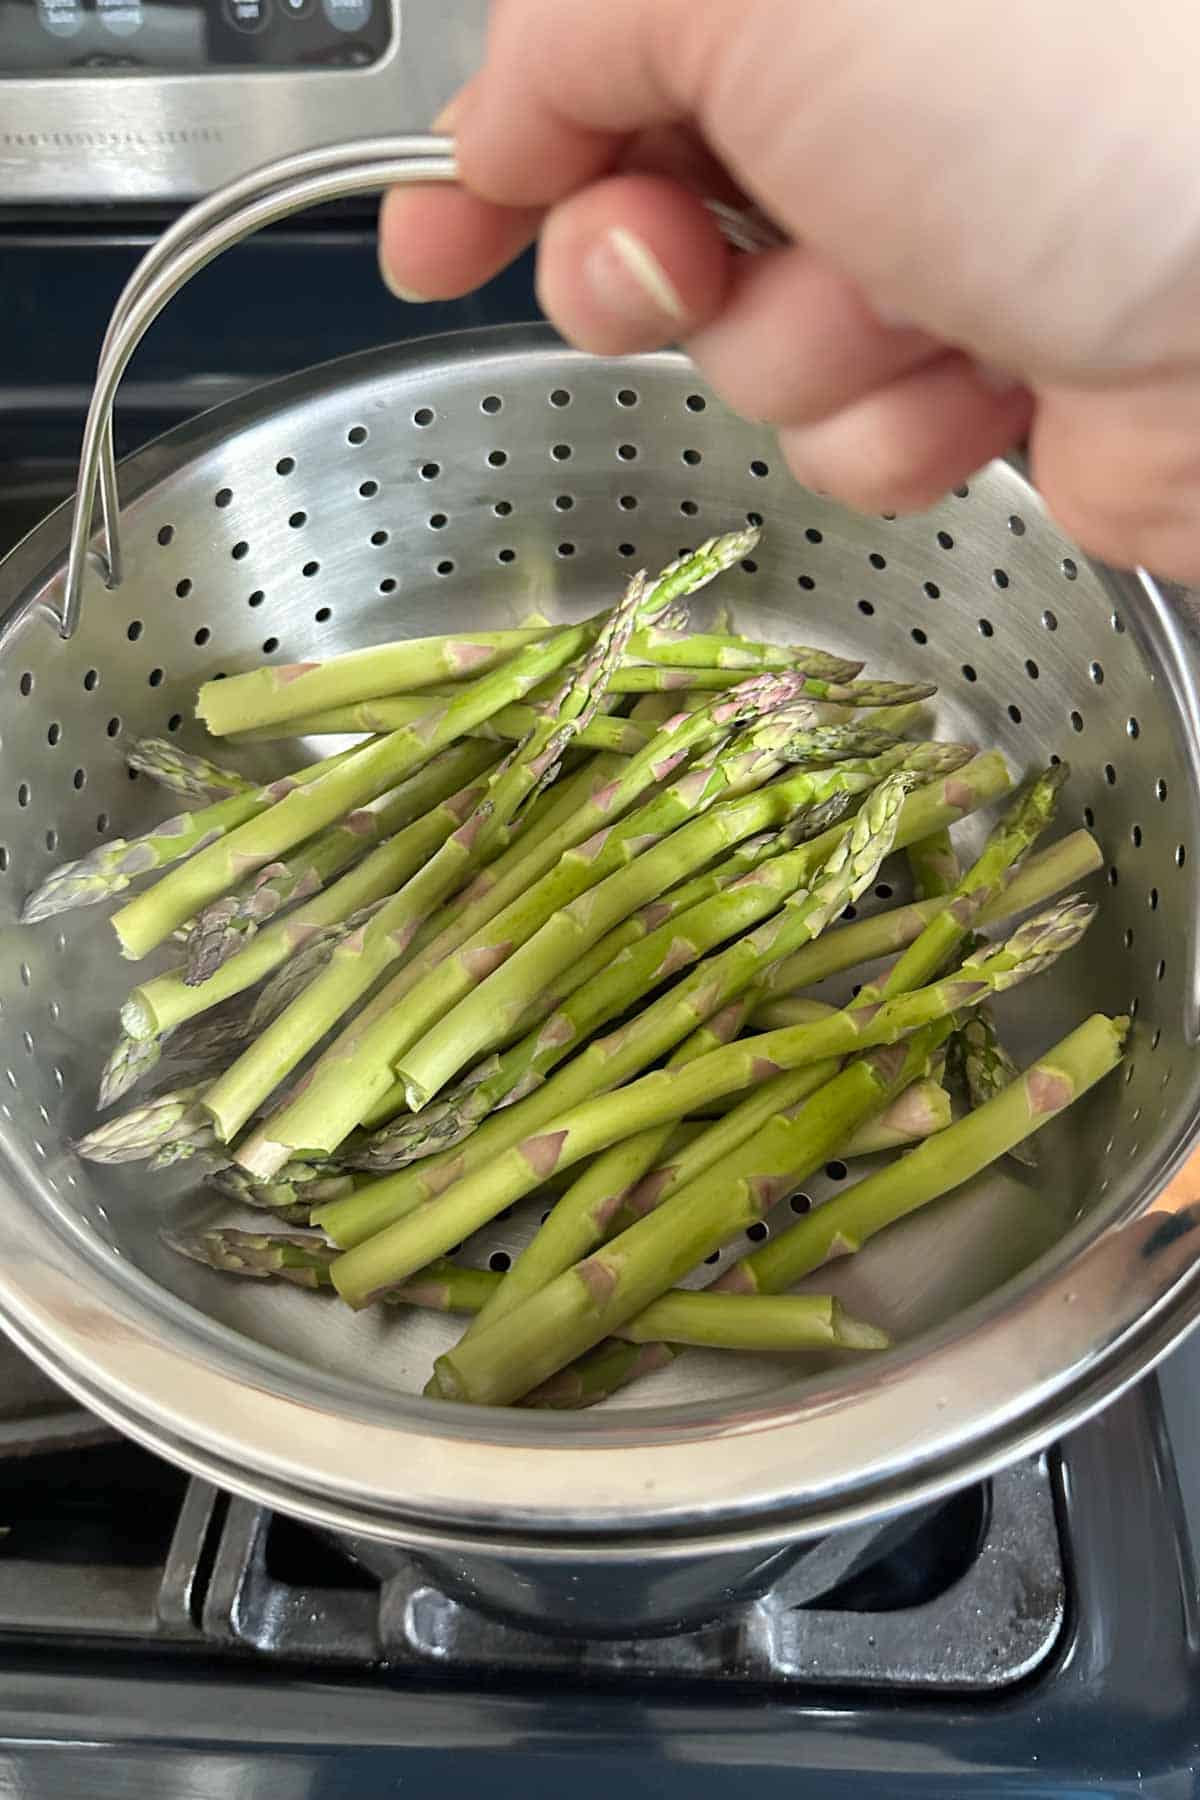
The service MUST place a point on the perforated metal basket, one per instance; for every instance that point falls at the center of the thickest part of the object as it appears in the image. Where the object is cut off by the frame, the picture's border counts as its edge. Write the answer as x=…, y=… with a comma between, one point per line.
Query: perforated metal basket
x=467, y=481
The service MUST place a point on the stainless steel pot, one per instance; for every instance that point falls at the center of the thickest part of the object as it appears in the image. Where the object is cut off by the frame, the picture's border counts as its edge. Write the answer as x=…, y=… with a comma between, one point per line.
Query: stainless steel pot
x=472, y=479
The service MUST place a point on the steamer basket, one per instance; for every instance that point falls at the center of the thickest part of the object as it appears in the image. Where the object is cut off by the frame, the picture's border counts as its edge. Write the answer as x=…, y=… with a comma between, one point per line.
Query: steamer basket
x=466, y=481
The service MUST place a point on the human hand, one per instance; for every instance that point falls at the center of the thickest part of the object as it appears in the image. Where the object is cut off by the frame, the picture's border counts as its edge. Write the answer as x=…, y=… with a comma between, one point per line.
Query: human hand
x=994, y=219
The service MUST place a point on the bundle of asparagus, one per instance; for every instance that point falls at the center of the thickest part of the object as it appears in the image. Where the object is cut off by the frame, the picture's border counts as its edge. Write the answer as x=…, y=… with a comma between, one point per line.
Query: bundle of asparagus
x=471, y=966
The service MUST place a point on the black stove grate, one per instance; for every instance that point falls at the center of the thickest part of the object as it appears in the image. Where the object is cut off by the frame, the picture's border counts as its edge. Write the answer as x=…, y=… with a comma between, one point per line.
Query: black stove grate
x=966, y=1595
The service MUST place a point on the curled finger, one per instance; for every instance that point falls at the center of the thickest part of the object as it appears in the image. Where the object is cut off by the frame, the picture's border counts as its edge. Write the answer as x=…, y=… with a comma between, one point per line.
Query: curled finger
x=796, y=341
x=902, y=447
x=631, y=263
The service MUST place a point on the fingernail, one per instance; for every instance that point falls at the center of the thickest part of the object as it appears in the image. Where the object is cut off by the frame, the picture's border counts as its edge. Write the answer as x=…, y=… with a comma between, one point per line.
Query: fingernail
x=628, y=279
x=393, y=286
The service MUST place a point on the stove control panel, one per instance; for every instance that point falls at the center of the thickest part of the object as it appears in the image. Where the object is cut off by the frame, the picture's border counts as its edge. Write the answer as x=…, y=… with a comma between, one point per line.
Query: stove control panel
x=119, y=103
x=98, y=37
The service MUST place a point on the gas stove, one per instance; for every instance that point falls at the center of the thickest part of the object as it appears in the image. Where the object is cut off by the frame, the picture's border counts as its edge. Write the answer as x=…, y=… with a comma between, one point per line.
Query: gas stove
x=1033, y=1635
x=968, y=1596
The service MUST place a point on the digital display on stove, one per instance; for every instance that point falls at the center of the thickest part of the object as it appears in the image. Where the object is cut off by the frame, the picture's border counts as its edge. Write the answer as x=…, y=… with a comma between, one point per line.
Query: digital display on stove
x=90, y=37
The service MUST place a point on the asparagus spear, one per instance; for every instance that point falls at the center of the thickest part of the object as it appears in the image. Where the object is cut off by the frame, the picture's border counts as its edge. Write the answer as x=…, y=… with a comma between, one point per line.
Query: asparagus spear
x=987, y=1070
x=365, y=773
x=164, y=1129
x=159, y=1005
x=213, y=1038
x=632, y=973
x=594, y=1124
x=933, y=863
x=292, y=1195
x=289, y=690
x=194, y=777
x=224, y=927
x=845, y=1223
x=302, y=1261
x=485, y=1015
x=611, y=1060
x=361, y=958
x=265, y=695
x=710, y=650
x=415, y=1136
x=1046, y=873
x=553, y=817
x=1027, y=815
x=536, y=760
x=356, y=1070
x=510, y=724
x=649, y=679
x=611, y=1366
x=109, y=868
x=499, y=1078
x=131, y=1058
x=667, y=1095
x=609, y=1196
x=599, y=1295
x=978, y=1053
x=1032, y=948
x=718, y=1321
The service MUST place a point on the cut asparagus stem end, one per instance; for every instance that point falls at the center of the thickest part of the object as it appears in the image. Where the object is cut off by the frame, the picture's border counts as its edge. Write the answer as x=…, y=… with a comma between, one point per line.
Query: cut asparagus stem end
x=850, y=1333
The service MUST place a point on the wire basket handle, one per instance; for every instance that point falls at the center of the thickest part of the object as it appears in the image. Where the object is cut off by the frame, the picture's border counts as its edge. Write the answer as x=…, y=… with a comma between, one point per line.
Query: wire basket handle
x=228, y=215
x=224, y=218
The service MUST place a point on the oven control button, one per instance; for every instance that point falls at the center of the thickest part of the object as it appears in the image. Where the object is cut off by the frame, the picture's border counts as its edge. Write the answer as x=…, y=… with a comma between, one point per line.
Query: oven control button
x=121, y=17
x=247, y=16
x=62, y=18
x=348, y=15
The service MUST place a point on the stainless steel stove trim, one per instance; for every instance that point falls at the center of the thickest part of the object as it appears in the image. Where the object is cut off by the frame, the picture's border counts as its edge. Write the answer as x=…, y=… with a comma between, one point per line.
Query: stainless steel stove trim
x=142, y=138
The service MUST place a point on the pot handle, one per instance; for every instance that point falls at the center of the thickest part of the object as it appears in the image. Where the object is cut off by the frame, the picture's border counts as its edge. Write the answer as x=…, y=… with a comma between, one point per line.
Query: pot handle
x=227, y=216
